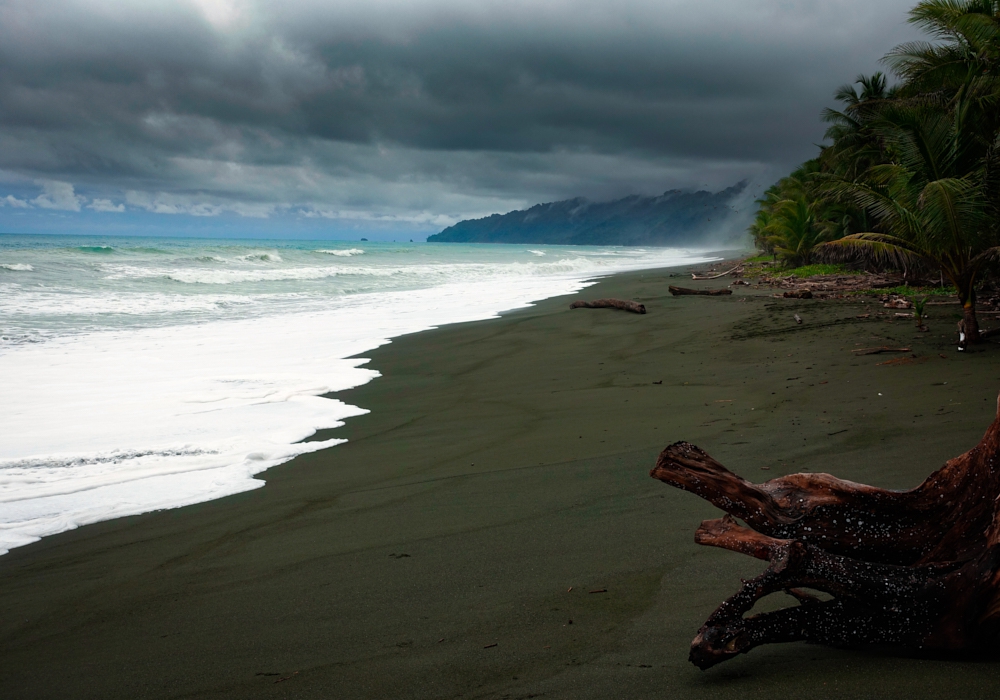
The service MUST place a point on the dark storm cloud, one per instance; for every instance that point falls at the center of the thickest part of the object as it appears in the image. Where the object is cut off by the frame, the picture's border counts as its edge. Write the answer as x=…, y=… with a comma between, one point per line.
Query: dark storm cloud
x=413, y=111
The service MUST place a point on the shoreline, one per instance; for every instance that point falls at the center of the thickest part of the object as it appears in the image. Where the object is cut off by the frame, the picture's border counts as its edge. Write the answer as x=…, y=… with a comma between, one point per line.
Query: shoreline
x=504, y=462
x=146, y=418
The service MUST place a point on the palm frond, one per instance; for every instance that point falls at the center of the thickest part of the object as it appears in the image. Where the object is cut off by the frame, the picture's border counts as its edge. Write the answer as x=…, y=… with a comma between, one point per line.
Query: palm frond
x=886, y=251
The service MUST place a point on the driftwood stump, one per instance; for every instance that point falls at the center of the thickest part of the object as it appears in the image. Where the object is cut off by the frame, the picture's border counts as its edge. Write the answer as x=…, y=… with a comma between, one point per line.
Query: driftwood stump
x=623, y=304
x=918, y=569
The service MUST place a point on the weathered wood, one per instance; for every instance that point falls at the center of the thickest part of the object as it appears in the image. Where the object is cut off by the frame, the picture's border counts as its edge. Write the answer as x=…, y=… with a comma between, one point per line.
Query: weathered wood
x=623, y=304
x=878, y=351
x=919, y=568
x=696, y=276
x=680, y=291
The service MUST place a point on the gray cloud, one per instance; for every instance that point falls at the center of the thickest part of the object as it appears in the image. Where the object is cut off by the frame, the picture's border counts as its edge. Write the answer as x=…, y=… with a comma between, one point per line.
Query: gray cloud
x=421, y=112
x=106, y=205
x=57, y=195
x=12, y=201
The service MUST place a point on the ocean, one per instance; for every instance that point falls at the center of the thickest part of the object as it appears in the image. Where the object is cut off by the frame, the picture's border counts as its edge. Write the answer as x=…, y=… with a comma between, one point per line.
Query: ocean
x=148, y=373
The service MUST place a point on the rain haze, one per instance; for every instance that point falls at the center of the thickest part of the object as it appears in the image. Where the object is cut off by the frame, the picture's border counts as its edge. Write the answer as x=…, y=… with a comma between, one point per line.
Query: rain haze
x=397, y=119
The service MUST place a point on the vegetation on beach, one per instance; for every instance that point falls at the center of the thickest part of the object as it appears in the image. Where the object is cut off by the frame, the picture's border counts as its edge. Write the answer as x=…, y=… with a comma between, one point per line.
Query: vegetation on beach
x=765, y=265
x=820, y=269
x=910, y=180
x=908, y=291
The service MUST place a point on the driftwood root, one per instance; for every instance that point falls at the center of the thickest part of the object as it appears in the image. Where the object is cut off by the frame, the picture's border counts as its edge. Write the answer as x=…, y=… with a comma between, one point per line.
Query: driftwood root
x=919, y=569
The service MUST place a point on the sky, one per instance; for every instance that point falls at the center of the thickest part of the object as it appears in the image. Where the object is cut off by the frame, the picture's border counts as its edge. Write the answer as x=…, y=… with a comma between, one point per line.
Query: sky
x=394, y=119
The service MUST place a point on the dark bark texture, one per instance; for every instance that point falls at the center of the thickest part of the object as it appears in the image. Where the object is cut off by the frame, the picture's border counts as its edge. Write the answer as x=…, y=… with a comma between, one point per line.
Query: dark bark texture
x=682, y=291
x=918, y=568
x=623, y=304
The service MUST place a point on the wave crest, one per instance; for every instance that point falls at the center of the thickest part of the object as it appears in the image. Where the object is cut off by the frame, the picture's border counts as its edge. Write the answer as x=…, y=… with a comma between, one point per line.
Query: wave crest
x=346, y=253
x=260, y=256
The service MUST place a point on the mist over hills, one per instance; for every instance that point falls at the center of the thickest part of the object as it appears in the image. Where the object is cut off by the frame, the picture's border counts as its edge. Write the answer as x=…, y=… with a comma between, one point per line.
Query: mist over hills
x=673, y=218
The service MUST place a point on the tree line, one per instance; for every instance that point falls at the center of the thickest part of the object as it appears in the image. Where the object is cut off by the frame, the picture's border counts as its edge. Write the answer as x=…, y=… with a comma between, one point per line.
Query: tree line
x=910, y=179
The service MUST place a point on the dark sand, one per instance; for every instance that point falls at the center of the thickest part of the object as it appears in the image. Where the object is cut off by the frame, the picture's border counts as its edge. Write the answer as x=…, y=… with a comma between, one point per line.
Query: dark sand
x=504, y=463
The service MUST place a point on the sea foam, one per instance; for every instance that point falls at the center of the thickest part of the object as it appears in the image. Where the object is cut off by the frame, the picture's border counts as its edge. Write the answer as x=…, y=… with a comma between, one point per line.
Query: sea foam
x=345, y=253
x=140, y=416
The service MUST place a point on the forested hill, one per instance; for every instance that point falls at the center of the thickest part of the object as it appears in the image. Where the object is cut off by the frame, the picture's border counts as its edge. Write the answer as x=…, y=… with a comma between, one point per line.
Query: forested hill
x=673, y=218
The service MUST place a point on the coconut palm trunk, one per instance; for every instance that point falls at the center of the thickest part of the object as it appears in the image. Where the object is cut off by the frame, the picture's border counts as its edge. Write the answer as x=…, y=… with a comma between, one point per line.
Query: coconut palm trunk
x=967, y=296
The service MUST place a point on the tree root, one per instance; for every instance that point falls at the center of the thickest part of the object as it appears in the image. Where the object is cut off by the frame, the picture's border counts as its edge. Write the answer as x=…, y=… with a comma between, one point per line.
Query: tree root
x=917, y=568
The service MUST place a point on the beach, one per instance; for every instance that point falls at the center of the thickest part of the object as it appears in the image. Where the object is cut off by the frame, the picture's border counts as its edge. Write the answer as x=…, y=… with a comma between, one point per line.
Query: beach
x=490, y=528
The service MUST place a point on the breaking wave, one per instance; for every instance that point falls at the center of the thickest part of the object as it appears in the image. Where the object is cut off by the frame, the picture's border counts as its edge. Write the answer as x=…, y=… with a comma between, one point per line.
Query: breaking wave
x=346, y=253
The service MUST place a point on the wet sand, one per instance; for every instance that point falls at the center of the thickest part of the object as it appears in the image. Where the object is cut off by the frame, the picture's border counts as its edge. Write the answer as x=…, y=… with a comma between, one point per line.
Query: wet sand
x=451, y=547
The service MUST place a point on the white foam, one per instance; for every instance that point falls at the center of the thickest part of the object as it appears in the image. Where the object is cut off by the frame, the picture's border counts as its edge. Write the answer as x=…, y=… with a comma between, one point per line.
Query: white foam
x=196, y=275
x=260, y=256
x=539, y=253
x=430, y=273
x=104, y=424
x=61, y=301
x=17, y=267
x=346, y=253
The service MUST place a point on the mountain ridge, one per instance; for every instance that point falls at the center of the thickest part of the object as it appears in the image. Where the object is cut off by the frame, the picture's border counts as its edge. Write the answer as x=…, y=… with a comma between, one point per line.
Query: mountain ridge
x=675, y=217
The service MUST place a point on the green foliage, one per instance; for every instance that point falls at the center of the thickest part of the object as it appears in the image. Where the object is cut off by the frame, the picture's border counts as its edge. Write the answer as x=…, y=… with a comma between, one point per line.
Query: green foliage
x=792, y=219
x=919, y=308
x=820, y=269
x=908, y=291
x=911, y=178
x=794, y=230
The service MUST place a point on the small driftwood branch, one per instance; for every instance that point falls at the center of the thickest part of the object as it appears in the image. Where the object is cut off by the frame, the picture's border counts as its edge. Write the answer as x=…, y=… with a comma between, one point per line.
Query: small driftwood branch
x=877, y=351
x=681, y=291
x=623, y=304
x=715, y=277
x=916, y=569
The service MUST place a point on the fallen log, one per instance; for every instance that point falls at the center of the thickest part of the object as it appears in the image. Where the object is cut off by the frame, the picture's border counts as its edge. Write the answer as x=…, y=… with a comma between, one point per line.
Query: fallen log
x=916, y=569
x=623, y=304
x=696, y=276
x=877, y=351
x=680, y=291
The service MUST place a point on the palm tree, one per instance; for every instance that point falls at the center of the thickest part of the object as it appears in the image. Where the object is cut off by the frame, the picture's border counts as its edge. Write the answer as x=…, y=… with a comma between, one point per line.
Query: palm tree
x=937, y=191
x=781, y=229
x=967, y=55
x=795, y=230
x=759, y=229
x=932, y=201
x=854, y=146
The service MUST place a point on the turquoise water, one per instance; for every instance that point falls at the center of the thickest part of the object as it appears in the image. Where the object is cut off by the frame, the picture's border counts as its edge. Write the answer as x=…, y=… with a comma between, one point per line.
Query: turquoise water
x=141, y=374
x=57, y=285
